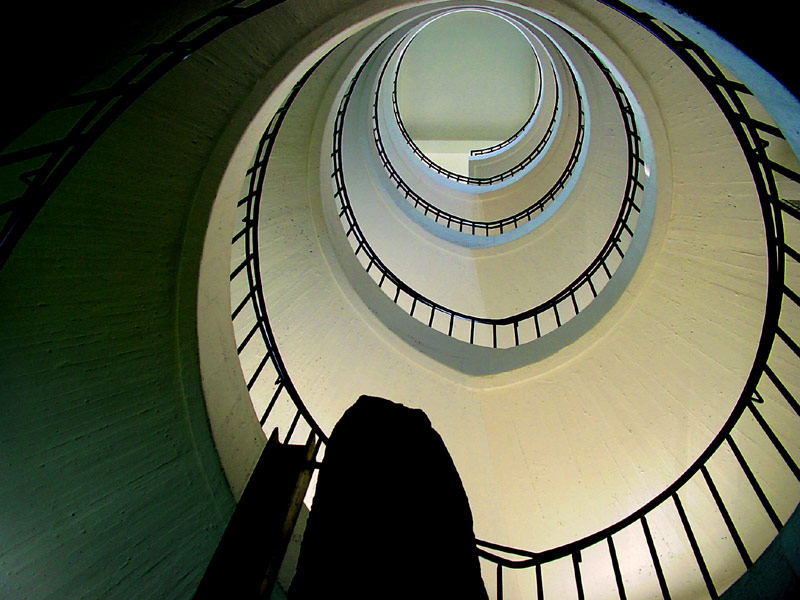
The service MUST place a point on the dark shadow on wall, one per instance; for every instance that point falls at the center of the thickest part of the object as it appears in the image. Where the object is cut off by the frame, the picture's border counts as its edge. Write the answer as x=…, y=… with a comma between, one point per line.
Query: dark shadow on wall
x=52, y=48
x=765, y=31
x=390, y=517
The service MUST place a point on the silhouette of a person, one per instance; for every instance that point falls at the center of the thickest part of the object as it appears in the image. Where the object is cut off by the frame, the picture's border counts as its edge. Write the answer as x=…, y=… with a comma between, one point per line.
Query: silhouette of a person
x=390, y=517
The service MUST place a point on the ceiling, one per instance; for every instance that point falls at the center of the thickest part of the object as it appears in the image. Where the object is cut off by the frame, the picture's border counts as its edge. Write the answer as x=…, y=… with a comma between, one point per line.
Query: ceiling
x=449, y=78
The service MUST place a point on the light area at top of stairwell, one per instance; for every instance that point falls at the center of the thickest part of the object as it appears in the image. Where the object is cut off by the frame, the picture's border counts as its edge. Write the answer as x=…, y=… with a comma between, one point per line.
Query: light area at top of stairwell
x=476, y=160
x=449, y=194
x=403, y=147
x=467, y=240
x=443, y=91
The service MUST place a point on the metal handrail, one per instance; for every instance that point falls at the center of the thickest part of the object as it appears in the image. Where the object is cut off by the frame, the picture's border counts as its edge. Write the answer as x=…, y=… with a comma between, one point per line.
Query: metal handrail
x=621, y=231
x=497, y=226
x=250, y=268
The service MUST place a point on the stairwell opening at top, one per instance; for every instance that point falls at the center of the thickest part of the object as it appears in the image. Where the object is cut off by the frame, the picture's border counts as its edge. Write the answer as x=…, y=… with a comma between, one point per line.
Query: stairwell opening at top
x=466, y=81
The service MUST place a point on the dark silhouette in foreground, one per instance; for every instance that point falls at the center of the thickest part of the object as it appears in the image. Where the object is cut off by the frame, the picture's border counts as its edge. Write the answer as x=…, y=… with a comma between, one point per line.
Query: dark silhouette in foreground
x=390, y=517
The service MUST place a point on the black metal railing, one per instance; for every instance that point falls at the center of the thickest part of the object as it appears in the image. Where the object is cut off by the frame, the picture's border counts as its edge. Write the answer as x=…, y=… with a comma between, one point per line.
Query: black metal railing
x=257, y=340
x=39, y=169
x=510, y=140
x=531, y=324
x=755, y=137
x=497, y=226
x=492, y=179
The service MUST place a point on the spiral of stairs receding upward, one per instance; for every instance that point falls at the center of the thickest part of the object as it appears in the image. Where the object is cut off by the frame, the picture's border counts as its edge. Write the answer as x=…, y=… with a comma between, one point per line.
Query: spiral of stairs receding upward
x=547, y=425
x=614, y=371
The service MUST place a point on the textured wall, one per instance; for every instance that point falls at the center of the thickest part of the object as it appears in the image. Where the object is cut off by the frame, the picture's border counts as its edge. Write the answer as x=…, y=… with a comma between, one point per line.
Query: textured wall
x=107, y=491
x=111, y=483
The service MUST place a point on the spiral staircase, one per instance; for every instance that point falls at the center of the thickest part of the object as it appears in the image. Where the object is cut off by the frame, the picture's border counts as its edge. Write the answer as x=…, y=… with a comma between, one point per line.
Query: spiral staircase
x=598, y=314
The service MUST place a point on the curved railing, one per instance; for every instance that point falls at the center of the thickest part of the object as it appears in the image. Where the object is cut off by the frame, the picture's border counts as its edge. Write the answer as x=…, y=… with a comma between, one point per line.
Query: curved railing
x=497, y=226
x=526, y=326
x=500, y=177
x=750, y=133
x=521, y=130
x=258, y=341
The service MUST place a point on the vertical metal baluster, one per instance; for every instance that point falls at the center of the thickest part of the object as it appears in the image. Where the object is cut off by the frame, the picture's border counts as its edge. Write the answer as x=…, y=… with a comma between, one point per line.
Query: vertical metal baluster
x=242, y=304
x=264, y=417
x=499, y=581
x=788, y=341
x=292, y=427
x=783, y=390
x=773, y=516
x=576, y=560
x=775, y=441
x=615, y=564
x=727, y=518
x=591, y=287
x=539, y=583
x=712, y=591
x=656, y=563
x=251, y=382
